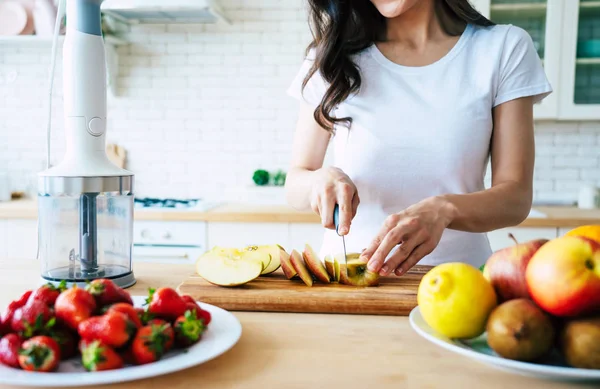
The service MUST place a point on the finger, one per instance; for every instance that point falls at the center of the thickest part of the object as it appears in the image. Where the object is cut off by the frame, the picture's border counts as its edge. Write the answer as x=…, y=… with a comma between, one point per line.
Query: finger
x=404, y=251
x=327, y=205
x=417, y=254
x=315, y=206
x=393, y=238
x=345, y=192
x=367, y=254
x=355, y=203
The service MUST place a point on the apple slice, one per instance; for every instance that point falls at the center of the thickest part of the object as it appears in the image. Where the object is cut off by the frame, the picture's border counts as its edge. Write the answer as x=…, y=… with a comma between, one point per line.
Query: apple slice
x=274, y=251
x=315, y=265
x=336, y=269
x=301, y=268
x=330, y=266
x=225, y=270
x=286, y=265
x=262, y=257
x=358, y=274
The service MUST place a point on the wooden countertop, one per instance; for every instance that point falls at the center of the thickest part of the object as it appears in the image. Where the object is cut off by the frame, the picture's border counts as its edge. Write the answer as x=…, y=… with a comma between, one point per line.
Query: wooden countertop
x=255, y=213
x=279, y=350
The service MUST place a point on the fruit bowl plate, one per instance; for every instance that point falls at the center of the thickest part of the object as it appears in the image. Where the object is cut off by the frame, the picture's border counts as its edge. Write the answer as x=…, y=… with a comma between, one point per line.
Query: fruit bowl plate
x=222, y=334
x=552, y=367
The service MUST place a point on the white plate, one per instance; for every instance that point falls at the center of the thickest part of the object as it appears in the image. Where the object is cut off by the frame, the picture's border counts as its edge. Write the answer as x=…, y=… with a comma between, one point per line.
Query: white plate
x=223, y=333
x=551, y=368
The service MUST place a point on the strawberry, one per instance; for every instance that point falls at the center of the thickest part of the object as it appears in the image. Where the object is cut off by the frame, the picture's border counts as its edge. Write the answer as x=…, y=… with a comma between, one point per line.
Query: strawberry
x=107, y=292
x=67, y=342
x=10, y=311
x=151, y=343
x=205, y=316
x=40, y=353
x=166, y=303
x=188, y=329
x=168, y=329
x=129, y=310
x=34, y=318
x=200, y=313
x=48, y=293
x=96, y=356
x=9, y=350
x=113, y=329
x=188, y=299
x=144, y=315
x=74, y=306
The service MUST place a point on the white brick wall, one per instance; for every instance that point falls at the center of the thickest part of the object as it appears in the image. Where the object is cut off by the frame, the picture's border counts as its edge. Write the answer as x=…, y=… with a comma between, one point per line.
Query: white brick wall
x=200, y=107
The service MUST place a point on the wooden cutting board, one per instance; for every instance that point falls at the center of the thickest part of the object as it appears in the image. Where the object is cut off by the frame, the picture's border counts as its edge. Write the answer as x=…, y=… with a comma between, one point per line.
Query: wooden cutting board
x=395, y=296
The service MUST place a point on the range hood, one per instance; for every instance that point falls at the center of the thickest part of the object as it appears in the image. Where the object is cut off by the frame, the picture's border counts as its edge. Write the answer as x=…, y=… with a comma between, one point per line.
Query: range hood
x=164, y=11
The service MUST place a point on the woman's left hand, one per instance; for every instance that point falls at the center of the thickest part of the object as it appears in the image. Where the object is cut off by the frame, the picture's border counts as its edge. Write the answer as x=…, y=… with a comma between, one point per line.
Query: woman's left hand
x=417, y=230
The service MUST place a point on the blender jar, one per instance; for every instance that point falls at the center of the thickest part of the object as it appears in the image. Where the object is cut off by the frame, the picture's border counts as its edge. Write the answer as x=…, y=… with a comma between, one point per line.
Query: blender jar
x=86, y=229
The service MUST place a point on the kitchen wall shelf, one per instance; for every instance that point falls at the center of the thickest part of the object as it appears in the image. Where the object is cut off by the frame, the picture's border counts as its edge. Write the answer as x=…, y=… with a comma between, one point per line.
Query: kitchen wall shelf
x=111, y=42
x=33, y=40
x=587, y=61
x=519, y=9
x=557, y=28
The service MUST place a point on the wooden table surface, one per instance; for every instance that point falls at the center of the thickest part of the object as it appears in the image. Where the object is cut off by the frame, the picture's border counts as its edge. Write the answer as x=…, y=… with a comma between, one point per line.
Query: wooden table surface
x=279, y=350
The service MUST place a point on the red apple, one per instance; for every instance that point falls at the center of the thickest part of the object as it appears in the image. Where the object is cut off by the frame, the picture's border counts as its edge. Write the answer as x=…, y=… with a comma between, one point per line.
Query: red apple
x=505, y=269
x=563, y=276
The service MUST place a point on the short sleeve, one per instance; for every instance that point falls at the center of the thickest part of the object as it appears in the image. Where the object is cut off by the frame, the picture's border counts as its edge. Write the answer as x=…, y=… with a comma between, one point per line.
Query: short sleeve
x=521, y=72
x=315, y=88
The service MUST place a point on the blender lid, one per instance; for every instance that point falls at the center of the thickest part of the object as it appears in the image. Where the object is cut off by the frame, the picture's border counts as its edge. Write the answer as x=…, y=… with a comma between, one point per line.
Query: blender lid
x=69, y=186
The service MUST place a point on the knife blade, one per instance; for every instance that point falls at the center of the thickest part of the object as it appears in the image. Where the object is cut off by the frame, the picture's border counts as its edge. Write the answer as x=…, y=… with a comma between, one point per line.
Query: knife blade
x=336, y=221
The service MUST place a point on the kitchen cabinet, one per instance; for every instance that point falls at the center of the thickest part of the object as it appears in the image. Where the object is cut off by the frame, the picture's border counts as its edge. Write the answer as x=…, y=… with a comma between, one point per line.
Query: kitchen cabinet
x=244, y=234
x=18, y=238
x=169, y=241
x=499, y=239
x=580, y=60
x=564, y=33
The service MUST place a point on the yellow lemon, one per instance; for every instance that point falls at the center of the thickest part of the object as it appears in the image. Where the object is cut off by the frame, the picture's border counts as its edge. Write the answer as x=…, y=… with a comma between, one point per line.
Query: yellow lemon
x=456, y=300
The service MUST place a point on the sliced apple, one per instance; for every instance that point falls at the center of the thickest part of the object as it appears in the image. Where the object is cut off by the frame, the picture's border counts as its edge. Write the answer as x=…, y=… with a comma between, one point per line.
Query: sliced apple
x=330, y=266
x=336, y=269
x=358, y=274
x=257, y=256
x=301, y=268
x=286, y=265
x=315, y=265
x=274, y=251
x=226, y=270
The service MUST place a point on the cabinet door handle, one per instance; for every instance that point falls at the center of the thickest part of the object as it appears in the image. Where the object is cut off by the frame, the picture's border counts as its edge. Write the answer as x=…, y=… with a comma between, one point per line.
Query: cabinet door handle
x=184, y=256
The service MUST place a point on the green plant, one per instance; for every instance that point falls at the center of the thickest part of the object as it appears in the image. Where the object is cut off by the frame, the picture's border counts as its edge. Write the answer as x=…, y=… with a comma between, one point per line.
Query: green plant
x=279, y=178
x=261, y=177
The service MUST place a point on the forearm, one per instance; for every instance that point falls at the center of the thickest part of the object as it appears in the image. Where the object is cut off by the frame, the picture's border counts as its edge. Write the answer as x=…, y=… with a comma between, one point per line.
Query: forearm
x=505, y=204
x=298, y=185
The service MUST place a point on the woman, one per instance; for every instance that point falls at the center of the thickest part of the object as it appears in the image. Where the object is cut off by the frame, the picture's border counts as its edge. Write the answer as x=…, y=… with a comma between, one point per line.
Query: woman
x=416, y=95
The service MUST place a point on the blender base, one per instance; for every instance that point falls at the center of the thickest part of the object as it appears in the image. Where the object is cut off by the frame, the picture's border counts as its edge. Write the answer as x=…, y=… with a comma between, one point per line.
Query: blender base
x=121, y=276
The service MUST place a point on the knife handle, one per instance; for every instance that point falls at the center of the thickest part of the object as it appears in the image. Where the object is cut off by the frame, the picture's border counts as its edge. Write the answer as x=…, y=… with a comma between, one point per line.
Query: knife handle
x=336, y=218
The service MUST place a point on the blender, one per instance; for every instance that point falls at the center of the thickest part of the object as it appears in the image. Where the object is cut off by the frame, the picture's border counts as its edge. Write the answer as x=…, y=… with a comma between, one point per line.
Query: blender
x=85, y=202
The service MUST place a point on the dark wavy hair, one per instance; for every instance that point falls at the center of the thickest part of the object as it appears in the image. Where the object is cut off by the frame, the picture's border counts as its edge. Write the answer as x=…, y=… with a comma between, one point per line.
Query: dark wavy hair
x=342, y=28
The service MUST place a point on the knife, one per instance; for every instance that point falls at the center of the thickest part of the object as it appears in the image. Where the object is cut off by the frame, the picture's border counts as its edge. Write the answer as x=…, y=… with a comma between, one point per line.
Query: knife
x=336, y=221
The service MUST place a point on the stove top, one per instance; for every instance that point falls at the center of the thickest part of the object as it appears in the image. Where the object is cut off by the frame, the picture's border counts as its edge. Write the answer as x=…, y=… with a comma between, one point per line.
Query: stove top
x=169, y=203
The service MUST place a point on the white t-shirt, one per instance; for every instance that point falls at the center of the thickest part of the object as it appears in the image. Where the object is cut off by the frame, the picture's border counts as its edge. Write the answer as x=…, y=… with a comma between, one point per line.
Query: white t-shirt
x=424, y=131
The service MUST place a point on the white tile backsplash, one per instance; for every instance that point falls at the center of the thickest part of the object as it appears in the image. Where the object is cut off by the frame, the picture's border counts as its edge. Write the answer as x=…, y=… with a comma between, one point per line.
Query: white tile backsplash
x=200, y=107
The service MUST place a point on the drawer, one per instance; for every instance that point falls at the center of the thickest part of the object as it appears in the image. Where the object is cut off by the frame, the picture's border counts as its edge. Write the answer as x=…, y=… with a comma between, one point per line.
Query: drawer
x=166, y=254
x=169, y=233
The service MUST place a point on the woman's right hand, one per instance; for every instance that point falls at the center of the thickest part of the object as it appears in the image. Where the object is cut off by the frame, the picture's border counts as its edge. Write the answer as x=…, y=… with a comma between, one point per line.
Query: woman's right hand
x=332, y=186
